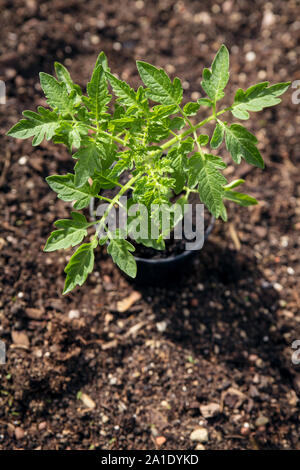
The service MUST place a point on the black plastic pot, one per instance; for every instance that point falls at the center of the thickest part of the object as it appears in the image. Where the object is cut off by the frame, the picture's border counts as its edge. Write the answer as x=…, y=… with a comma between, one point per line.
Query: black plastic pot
x=162, y=270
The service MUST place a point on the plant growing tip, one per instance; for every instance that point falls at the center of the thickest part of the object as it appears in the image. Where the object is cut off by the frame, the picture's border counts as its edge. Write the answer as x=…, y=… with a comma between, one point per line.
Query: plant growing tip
x=157, y=143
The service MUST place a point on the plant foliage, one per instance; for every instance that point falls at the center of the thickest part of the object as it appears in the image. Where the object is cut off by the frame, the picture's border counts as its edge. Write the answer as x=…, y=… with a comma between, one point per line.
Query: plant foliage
x=147, y=135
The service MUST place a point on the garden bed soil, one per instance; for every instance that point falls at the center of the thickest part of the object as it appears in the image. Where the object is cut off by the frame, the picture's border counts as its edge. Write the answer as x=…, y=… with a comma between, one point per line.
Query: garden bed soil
x=113, y=365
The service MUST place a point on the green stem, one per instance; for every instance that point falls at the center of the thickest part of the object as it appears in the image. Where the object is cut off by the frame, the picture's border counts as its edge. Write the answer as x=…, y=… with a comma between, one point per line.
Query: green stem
x=173, y=141
x=109, y=200
x=185, y=117
x=98, y=130
x=189, y=190
x=114, y=201
x=198, y=145
x=114, y=137
x=103, y=198
x=214, y=110
x=174, y=134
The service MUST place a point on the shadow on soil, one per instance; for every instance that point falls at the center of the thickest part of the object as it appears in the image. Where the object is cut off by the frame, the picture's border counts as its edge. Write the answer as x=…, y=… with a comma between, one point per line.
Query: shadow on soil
x=225, y=304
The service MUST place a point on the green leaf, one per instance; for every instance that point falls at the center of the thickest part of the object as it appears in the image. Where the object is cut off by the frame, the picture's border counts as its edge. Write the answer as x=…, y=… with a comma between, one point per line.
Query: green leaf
x=70, y=133
x=103, y=241
x=215, y=80
x=186, y=146
x=239, y=198
x=180, y=180
x=123, y=122
x=157, y=131
x=89, y=161
x=126, y=95
x=71, y=233
x=102, y=60
x=154, y=189
x=98, y=93
x=78, y=221
x=160, y=111
x=234, y=184
x=105, y=180
x=223, y=213
x=120, y=249
x=256, y=98
x=108, y=151
x=64, y=76
x=204, y=102
x=79, y=266
x=190, y=109
x=177, y=154
x=39, y=126
x=241, y=143
x=160, y=87
x=155, y=244
x=141, y=220
x=216, y=161
x=56, y=94
x=203, y=139
x=123, y=163
x=179, y=162
x=176, y=123
x=217, y=137
x=211, y=181
x=195, y=164
x=66, y=190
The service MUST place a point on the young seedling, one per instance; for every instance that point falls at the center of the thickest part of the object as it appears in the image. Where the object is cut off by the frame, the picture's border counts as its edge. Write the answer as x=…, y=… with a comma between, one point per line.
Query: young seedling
x=157, y=145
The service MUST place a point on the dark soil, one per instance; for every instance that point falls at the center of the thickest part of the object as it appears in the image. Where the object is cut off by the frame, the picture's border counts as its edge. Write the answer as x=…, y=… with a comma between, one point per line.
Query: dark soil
x=85, y=372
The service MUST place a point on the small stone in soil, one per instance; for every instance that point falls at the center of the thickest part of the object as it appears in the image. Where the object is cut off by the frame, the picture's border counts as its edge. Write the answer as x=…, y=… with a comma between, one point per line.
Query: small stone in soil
x=160, y=440
x=125, y=304
x=165, y=404
x=250, y=56
x=87, y=401
x=245, y=429
x=34, y=313
x=42, y=426
x=290, y=271
x=161, y=326
x=261, y=421
x=73, y=314
x=19, y=433
x=199, y=435
x=210, y=410
x=20, y=338
x=23, y=160
x=199, y=447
